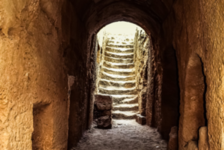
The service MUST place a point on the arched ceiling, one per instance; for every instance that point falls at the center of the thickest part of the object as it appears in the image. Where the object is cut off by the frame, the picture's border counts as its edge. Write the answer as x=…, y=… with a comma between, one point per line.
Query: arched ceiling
x=149, y=14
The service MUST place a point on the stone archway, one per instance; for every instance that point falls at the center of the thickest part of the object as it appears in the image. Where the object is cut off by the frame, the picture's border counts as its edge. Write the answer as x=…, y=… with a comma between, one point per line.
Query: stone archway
x=192, y=107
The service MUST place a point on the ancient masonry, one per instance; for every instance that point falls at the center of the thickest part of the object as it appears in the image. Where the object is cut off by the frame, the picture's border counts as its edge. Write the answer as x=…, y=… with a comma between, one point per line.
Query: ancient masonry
x=117, y=76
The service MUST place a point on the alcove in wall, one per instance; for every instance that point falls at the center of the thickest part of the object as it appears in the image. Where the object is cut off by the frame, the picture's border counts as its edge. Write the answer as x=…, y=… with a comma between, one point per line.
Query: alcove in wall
x=42, y=136
x=193, y=108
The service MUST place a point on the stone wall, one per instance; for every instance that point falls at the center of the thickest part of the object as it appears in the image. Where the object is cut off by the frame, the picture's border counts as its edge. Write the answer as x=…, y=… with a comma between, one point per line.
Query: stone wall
x=155, y=73
x=39, y=41
x=102, y=40
x=78, y=57
x=142, y=45
x=162, y=106
x=194, y=28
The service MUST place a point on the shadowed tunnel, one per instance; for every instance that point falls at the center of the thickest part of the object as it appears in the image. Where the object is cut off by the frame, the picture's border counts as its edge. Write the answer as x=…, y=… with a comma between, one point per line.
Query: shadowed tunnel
x=48, y=66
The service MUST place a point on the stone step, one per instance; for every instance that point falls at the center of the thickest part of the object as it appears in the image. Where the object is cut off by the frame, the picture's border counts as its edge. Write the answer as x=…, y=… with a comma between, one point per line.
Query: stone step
x=121, y=40
x=117, y=91
x=112, y=88
x=121, y=45
x=125, y=100
x=118, y=42
x=118, y=65
x=108, y=76
x=130, y=100
x=121, y=72
x=120, y=96
x=125, y=107
x=119, y=55
x=120, y=50
x=126, y=84
x=116, y=88
x=118, y=60
x=121, y=37
x=124, y=114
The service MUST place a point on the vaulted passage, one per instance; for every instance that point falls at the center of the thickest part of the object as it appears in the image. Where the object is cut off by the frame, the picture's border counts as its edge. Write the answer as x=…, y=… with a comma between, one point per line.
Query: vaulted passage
x=162, y=86
x=121, y=91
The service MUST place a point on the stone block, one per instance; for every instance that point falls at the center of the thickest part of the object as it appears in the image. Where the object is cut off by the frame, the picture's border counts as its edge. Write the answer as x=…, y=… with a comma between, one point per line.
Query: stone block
x=102, y=111
x=141, y=119
x=104, y=122
x=173, y=139
x=192, y=145
x=203, y=139
x=103, y=102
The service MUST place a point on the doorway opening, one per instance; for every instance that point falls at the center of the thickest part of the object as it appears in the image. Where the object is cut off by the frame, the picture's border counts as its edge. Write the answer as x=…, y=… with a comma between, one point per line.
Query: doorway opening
x=121, y=87
x=121, y=69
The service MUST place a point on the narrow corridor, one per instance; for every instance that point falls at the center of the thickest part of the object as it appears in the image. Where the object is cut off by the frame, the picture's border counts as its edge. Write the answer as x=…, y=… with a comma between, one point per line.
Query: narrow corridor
x=125, y=135
x=160, y=89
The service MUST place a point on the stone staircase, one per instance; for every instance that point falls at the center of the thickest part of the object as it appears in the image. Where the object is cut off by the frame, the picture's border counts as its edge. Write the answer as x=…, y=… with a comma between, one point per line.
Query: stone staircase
x=118, y=77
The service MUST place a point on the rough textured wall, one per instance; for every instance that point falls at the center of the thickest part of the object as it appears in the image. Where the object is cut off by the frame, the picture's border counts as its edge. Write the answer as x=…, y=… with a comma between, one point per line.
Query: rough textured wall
x=79, y=58
x=198, y=30
x=150, y=83
x=156, y=106
x=35, y=59
x=102, y=40
x=32, y=74
x=142, y=45
x=163, y=94
x=153, y=113
x=170, y=92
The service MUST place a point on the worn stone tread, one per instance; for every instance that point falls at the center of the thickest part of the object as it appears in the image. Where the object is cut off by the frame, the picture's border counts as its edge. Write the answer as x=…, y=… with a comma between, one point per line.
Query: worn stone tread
x=118, y=65
x=124, y=114
x=126, y=107
x=119, y=55
x=127, y=84
x=118, y=60
x=117, y=77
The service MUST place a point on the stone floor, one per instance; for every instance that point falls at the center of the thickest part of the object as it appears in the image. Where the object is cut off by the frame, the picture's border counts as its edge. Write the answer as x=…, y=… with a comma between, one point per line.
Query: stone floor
x=125, y=135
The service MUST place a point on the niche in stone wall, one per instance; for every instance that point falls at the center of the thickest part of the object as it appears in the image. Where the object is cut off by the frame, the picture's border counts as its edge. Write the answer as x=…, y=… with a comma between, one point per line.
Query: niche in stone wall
x=42, y=136
x=193, y=103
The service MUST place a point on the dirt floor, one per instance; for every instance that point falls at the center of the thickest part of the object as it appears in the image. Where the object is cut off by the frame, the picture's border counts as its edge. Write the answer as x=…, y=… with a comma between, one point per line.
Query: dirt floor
x=125, y=135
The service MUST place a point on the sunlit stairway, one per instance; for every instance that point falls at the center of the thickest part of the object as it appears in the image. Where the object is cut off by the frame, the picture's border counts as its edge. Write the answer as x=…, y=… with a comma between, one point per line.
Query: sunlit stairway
x=118, y=77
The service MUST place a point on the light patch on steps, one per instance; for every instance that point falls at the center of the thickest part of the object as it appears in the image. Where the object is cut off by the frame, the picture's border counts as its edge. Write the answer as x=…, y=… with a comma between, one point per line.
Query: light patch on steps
x=120, y=70
x=121, y=48
x=119, y=82
x=121, y=96
x=126, y=59
x=120, y=54
x=117, y=76
x=126, y=113
x=126, y=105
x=118, y=64
x=111, y=88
